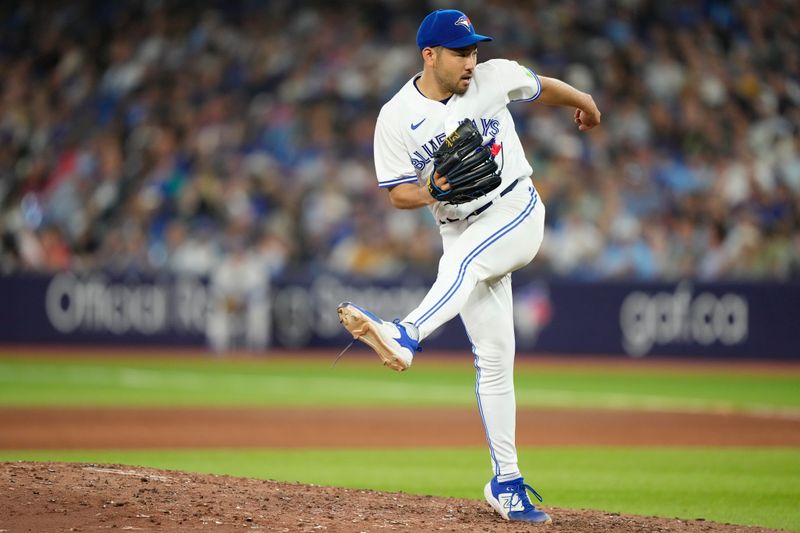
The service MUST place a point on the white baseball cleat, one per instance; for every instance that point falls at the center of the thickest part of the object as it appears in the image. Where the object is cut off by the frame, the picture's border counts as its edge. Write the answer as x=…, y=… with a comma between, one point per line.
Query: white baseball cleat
x=390, y=340
x=510, y=500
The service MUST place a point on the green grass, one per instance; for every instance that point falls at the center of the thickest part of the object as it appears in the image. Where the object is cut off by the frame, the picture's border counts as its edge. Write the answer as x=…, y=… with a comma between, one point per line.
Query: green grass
x=752, y=486
x=359, y=381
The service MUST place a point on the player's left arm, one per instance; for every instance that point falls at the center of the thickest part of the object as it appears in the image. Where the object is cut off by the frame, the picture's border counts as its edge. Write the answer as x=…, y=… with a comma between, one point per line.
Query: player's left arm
x=557, y=92
x=519, y=83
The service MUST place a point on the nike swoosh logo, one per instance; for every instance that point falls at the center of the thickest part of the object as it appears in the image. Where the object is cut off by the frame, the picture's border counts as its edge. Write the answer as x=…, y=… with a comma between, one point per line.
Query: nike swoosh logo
x=415, y=126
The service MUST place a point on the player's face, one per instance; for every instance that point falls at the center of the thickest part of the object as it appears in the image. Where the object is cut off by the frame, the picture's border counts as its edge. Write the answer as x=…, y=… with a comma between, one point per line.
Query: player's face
x=453, y=68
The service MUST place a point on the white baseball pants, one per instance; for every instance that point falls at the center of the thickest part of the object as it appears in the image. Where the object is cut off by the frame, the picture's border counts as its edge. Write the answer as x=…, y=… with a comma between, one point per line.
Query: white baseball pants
x=474, y=280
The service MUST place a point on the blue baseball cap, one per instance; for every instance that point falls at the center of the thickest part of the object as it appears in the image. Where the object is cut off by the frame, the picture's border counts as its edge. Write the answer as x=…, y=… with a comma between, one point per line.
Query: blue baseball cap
x=449, y=28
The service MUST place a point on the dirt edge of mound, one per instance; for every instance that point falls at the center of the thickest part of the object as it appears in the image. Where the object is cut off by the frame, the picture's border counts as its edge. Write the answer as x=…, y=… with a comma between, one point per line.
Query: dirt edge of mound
x=80, y=497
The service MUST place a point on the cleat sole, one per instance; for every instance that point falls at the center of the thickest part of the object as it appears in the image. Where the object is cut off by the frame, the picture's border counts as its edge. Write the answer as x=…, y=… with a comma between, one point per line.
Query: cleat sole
x=363, y=329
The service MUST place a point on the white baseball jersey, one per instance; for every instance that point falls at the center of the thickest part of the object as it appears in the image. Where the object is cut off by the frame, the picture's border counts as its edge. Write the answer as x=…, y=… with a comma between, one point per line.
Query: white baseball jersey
x=411, y=127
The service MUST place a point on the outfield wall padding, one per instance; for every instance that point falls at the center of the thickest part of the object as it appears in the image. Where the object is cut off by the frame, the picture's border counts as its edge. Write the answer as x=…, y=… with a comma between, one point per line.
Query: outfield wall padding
x=734, y=320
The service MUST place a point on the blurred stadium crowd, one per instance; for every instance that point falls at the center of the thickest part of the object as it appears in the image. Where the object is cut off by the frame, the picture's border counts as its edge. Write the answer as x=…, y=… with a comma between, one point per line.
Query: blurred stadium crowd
x=161, y=135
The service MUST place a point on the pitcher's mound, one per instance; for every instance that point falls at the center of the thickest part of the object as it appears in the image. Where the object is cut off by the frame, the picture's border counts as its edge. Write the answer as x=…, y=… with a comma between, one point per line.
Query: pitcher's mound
x=87, y=497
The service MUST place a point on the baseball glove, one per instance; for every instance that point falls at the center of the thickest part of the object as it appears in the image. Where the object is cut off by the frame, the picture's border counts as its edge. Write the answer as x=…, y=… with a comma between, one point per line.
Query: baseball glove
x=466, y=163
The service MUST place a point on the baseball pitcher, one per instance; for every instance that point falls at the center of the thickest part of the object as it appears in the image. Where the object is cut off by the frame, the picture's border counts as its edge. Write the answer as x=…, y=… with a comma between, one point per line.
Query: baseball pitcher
x=446, y=140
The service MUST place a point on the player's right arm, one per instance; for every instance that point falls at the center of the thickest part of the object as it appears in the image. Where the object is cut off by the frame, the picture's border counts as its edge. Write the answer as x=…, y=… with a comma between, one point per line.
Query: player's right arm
x=412, y=196
x=394, y=168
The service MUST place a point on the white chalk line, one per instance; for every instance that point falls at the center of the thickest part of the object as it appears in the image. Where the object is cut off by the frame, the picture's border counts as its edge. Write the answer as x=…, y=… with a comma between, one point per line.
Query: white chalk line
x=136, y=473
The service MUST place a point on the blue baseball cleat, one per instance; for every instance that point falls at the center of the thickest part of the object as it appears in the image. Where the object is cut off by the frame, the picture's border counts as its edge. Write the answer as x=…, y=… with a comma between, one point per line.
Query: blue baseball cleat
x=390, y=340
x=510, y=499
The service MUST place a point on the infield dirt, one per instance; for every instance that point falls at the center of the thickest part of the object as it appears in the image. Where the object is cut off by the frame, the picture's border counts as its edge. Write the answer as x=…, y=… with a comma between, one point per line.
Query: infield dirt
x=127, y=428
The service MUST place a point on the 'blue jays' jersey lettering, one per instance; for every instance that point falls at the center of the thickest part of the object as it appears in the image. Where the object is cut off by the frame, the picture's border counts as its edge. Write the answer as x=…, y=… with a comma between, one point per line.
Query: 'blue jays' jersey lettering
x=489, y=126
x=424, y=155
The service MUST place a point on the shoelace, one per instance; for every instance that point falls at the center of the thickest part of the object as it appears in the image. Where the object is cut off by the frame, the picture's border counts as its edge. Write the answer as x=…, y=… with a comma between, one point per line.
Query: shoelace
x=520, y=489
x=538, y=496
x=342, y=353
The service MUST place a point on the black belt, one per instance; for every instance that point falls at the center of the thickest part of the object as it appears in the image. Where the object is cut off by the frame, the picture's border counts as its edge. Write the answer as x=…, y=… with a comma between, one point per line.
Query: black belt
x=484, y=207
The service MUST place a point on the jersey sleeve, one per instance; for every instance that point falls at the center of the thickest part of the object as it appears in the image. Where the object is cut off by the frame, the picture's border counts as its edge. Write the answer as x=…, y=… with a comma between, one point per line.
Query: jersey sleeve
x=392, y=164
x=519, y=82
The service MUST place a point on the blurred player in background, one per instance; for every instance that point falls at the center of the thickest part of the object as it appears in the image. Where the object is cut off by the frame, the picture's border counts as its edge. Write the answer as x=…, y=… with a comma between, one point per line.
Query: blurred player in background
x=239, y=315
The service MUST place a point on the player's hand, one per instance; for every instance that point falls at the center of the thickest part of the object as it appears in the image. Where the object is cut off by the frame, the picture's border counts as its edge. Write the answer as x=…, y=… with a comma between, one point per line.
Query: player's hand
x=441, y=181
x=436, y=188
x=587, y=120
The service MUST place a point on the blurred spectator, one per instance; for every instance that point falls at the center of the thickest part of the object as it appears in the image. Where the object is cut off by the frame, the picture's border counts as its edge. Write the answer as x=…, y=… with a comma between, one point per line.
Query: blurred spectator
x=135, y=136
